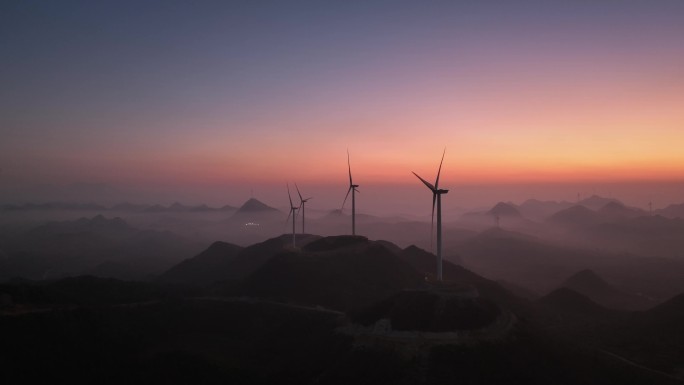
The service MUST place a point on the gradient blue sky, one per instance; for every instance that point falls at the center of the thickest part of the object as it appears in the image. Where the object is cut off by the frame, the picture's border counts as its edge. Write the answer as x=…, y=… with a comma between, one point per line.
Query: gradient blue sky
x=196, y=101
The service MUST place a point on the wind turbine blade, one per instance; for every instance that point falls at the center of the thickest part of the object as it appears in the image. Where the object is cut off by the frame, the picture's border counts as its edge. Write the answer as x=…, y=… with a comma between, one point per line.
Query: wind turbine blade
x=288, y=194
x=432, y=222
x=288, y=216
x=345, y=198
x=428, y=184
x=349, y=165
x=308, y=198
x=440, y=169
x=300, y=195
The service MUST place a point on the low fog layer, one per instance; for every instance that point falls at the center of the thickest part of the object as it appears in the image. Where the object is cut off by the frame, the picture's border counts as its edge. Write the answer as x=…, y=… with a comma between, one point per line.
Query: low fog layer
x=534, y=245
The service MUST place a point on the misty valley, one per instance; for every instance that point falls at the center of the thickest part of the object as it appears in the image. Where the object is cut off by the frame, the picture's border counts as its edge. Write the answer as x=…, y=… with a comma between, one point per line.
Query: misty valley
x=541, y=292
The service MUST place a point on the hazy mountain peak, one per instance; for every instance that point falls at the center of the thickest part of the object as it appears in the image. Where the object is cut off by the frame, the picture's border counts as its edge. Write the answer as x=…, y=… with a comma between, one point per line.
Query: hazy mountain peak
x=673, y=308
x=586, y=280
x=672, y=211
x=253, y=205
x=414, y=249
x=596, y=202
x=620, y=210
x=569, y=300
x=176, y=206
x=504, y=209
x=205, y=268
x=575, y=215
x=100, y=221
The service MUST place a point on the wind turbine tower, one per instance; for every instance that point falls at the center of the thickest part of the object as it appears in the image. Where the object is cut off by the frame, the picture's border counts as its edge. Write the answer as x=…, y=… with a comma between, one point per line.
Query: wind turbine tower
x=292, y=213
x=436, y=198
x=302, y=204
x=353, y=190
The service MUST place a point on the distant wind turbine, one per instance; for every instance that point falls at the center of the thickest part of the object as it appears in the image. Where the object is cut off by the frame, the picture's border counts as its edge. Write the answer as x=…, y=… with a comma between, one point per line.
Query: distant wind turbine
x=436, y=197
x=292, y=213
x=353, y=190
x=302, y=204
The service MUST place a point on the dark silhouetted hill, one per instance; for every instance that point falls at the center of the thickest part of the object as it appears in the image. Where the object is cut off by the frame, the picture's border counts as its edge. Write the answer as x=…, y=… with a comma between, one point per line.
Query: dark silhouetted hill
x=588, y=283
x=651, y=338
x=337, y=272
x=253, y=205
x=210, y=266
x=256, y=211
x=570, y=303
x=426, y=263
x=253, y=257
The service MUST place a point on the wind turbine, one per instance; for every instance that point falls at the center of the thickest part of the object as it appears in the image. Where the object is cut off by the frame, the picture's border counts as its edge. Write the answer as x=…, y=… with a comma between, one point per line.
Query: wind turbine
x=302, y=203
x=436, y=197
x=353, y=190
x=293, y=208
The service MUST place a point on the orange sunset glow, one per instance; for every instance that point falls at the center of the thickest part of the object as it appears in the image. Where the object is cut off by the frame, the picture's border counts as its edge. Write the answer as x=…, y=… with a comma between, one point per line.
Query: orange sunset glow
x=513, y=101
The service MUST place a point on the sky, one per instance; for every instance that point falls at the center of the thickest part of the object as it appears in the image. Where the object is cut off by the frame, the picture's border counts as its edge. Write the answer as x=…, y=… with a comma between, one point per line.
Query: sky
x=213, y=101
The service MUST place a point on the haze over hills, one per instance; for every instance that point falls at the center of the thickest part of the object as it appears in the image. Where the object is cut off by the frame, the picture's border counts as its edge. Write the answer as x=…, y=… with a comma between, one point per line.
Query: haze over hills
x=575, y=216
x=539, y=210
x=672, y=211
x=218, y=263
x=494, y=192
x=58, y=249
x=119, y=207
x=383, y=282
x=596, y=202
x=502, y=209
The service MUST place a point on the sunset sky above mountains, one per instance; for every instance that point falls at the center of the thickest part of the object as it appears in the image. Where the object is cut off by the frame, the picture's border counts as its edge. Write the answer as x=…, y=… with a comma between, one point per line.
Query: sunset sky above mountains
x=208, y=99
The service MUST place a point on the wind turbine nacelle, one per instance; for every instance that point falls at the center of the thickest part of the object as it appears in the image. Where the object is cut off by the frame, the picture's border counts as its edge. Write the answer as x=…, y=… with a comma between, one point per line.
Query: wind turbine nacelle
x=441, y=191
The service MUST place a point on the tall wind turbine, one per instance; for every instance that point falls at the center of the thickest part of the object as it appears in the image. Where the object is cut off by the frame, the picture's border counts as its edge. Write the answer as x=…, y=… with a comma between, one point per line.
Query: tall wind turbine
x=292, y=213
x=353, y=190
x=436, y=197
x=302, y=204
